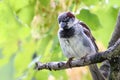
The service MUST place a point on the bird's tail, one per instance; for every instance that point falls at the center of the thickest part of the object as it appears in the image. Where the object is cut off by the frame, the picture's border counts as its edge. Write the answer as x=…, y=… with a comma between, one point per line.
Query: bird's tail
x=96, y=74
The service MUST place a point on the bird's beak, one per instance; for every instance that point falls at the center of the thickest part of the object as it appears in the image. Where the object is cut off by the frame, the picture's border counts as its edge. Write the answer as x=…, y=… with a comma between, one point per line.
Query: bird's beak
x=63, y=25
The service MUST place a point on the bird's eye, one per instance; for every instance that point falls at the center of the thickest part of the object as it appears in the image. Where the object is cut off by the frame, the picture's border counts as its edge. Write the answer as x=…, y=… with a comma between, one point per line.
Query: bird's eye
x=66, y=19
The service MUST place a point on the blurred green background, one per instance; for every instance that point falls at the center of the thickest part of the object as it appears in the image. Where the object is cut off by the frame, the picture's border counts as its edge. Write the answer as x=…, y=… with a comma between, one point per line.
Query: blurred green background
x=28, y=33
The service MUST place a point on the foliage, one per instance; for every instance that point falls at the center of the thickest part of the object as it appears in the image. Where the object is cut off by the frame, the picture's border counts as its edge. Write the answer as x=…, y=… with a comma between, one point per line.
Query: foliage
x=28, y=33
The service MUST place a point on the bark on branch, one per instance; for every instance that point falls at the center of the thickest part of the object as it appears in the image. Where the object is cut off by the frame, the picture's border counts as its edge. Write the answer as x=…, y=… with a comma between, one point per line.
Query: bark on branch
x=99, y=57
x=111, y=68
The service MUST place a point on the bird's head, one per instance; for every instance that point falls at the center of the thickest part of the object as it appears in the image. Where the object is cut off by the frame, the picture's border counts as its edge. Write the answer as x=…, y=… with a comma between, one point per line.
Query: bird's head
x=66, y=20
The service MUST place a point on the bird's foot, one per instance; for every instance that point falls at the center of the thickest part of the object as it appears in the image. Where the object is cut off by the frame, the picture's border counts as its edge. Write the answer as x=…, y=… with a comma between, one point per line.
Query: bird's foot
x=84, y=57
x=69, y=62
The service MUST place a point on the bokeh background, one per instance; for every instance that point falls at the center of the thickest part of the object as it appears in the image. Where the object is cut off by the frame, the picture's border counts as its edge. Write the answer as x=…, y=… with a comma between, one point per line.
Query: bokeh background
x=28, y=33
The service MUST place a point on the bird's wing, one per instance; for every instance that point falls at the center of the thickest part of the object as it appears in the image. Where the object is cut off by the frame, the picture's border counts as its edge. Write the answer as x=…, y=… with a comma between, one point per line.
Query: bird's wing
x=88, y=33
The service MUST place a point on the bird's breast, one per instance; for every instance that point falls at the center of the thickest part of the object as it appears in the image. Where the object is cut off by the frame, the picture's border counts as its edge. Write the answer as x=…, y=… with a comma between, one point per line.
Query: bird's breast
x=76, y=46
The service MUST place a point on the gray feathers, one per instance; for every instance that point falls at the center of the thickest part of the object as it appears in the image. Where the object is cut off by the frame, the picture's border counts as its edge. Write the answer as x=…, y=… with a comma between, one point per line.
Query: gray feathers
x=77, y=45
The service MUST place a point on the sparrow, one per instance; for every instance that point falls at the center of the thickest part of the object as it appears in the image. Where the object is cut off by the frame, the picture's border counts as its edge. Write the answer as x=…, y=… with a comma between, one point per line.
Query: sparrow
x=76, y=41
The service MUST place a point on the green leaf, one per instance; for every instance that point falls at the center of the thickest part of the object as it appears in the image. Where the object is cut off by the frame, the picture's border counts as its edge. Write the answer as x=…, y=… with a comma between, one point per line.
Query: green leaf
x=1, y=55
x=89, y=18
x=89, y=2
x=26, y=14
x=45, y=2
x=107, y=17
x=42, y=48
x=115, y=3
x=18, y=4
x=11, y=31
x=8, y=70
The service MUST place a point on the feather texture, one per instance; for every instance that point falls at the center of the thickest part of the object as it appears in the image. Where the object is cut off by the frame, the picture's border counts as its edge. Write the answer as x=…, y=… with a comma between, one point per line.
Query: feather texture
x=77, y=45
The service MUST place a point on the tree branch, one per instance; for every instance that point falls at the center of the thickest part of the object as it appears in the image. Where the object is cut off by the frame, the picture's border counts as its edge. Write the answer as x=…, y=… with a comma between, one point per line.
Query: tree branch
x=96, y=58
x=116, y=33
x=114, y=62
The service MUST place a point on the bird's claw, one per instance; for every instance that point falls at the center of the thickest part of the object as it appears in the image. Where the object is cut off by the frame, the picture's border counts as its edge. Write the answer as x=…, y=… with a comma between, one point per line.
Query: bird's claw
x=69, y=62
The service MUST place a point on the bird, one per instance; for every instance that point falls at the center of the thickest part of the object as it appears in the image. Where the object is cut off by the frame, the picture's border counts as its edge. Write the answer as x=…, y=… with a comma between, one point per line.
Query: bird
x=76, y=41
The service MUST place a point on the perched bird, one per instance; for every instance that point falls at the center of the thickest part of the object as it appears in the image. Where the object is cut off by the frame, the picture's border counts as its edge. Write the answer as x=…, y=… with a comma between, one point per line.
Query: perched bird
x=77, y=41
